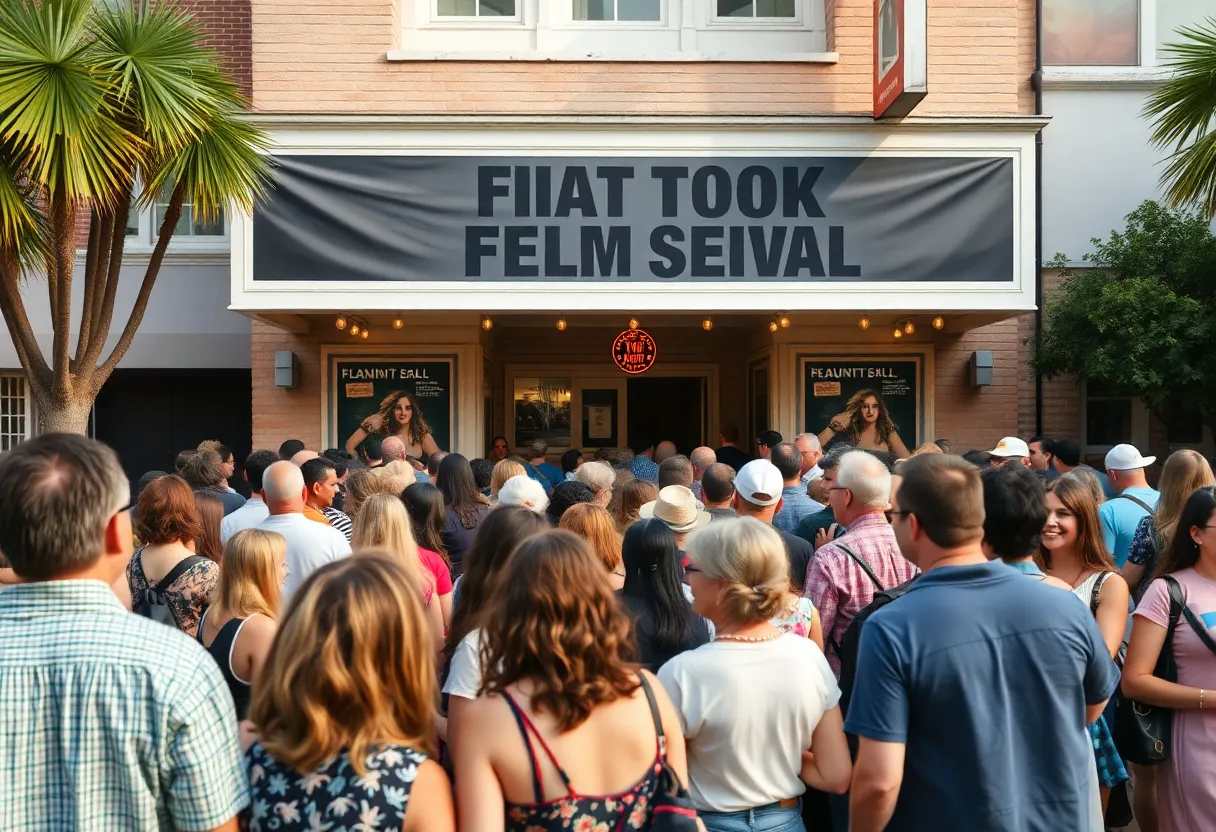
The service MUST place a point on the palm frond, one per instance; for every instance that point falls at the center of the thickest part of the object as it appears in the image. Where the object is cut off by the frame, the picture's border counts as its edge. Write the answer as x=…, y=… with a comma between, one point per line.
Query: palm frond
x=23, y=227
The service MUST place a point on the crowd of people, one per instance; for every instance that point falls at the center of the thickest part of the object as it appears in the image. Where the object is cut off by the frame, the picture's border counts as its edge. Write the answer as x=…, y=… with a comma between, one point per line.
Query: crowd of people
x=795, y=636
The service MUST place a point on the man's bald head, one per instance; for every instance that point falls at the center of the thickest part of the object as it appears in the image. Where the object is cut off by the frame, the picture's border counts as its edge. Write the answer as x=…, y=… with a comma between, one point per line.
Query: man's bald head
x=664, y=450
x=283, y=488
x=392, y=449
x=300, y=457
x=701, y=459
x=718, y=486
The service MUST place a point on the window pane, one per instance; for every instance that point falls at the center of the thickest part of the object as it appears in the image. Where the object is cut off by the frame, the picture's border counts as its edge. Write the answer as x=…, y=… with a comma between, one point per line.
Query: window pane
x=214, y=228
x=1091, y=32
x=497, y=8
x=1184, y=428
x=457, y=8
x=735, y=8
x=774, y=8
x=637, y=9
x=593, y=9
x=1108, y=421
x=1172, y=14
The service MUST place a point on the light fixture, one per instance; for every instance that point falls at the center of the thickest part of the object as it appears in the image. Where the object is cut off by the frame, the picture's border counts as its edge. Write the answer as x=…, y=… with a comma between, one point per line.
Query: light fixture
x=707, y=324
x=939, y=322
x=864, y=322
x=365, y=333
x=899, y=333
x=773, y=326
x=340, y=322
x=354, y=330
x=487, y=323
x=784, y=321
x=398, y=323
x=633, y=323
x=909, y=328
x=561, y=324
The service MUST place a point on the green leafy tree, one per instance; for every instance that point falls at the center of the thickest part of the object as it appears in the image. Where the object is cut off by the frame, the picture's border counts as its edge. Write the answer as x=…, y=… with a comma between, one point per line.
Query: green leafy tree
x=1142, y=319
x=103, y=106
x=1184, y=113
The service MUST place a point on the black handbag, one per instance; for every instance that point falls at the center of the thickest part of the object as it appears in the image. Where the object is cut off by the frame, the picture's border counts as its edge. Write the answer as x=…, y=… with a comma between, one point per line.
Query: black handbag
x=671, y=808
x=1142, y=732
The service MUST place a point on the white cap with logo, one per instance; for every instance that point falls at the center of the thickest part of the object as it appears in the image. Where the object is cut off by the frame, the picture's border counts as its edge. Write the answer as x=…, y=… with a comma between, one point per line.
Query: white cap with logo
x=1127, y=458
x=759, y=482
x=1010, y=446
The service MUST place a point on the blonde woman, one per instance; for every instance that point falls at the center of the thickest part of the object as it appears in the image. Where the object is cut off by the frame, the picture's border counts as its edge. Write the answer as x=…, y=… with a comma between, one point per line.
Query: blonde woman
x=345, y=709
x=594, y=525
x=503, y=471
x=384, y=524
x=239, y=626
x=753, y=764
x=361, y=483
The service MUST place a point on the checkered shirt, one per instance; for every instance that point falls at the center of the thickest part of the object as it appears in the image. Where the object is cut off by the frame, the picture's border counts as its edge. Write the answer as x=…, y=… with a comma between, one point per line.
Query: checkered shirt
x=108, y=720
x=839, y=588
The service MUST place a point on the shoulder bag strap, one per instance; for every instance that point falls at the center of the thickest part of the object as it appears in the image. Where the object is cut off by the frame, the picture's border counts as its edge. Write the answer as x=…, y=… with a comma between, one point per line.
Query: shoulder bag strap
x=1135, y=500
x=1097, y=592
x=864, y=566
x=654, y=715
x=177, y=571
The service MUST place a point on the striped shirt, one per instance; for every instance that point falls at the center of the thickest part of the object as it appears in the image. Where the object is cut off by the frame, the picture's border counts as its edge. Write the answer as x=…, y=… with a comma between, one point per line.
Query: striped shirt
x=108, y=720
x=339, y=520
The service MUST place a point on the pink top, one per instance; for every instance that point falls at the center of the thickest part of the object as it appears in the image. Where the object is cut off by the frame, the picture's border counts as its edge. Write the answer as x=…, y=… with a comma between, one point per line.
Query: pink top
x=433, y=561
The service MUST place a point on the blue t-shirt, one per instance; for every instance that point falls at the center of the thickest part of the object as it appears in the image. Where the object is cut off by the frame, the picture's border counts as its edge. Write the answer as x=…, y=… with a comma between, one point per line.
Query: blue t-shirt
x=1120, y=517
x=551, y=472
x=984, y=676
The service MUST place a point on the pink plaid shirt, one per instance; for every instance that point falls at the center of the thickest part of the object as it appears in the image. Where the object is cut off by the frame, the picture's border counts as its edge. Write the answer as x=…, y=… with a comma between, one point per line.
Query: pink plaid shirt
x=839, y=588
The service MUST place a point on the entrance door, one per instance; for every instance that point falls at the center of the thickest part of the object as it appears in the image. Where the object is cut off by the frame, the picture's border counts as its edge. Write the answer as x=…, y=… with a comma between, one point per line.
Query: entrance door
x=670, y=408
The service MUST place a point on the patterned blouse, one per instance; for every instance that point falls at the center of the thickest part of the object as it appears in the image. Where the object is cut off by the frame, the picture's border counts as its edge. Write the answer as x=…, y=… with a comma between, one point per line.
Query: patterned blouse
x=334, y=797
x=187, y=597
x=1143, y=552
x=796, y=618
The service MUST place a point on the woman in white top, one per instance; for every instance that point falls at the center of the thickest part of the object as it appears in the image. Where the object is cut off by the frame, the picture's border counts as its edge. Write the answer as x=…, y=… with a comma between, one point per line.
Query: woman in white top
x=758, y=706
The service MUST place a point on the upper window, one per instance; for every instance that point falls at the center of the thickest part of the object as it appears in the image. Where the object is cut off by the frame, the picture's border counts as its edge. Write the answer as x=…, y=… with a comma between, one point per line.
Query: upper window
x=143, y=227
x=476, y=8
x=14, y=411
x=756, y=8
x=1091, y=32
x=617, y=10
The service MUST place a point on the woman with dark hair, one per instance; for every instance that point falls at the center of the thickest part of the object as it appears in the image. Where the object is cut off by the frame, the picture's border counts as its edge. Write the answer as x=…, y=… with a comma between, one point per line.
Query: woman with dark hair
x=210, y=514
x=504, y=529
x=571, y=459
x=400, y=416
x=465, y=508
x=1186, y=790
x=553, y=649
x=665, y=624
x=424, y=505
x=1072, y=550
x=865, y=424
x=167, y=521
x=205, y=472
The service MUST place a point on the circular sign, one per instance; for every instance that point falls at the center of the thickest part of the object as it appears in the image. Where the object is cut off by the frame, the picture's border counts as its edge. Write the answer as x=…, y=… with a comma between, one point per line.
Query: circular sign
x=634, y=351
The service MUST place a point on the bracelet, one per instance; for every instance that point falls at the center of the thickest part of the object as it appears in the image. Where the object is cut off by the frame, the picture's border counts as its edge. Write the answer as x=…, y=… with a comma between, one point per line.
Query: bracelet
x=1201, y=693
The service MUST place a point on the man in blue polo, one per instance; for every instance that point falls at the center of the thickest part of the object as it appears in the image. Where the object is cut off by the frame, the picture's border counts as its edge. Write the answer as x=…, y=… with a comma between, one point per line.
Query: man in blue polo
x=1134, y=501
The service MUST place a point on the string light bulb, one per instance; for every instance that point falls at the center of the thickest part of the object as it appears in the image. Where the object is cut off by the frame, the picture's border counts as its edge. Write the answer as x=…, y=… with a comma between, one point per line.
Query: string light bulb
x=561, y=324
x=707, y=324
x=633, y=323
x=340, y=322
x=354, y=330
x=487, y=323
x=864, y=322
x=365, y=333
x=398, y=323
x=909, y=328
x=773, y=326
x=939, y=322
x=899, y=333
x=784, y=321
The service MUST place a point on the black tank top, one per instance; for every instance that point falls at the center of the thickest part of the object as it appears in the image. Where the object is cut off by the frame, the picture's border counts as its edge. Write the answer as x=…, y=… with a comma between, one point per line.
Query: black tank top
x=221, y=651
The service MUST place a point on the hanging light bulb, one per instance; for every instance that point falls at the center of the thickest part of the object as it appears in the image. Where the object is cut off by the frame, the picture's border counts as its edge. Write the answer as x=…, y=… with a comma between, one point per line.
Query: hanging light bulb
x=487, y=323
x=939, y=322
x=784, y=321
x=365, y=333
x=899, y=333
x=633, y=323
x=340, y=322
x=561, y=324
x=398, y=323
x=773, y=326
x=909, y=328
x=864, y=322
x=354, y=330
x=707, y=324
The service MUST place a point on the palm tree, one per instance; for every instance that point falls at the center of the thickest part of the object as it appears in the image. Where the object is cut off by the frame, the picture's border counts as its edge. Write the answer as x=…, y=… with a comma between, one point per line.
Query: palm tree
x=104, y=105
x=1184, y=110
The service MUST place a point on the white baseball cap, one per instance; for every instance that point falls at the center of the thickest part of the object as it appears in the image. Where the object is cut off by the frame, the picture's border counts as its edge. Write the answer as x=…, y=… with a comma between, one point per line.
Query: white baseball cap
x=1010, y=446
x=760, y=483
x=1127, y=458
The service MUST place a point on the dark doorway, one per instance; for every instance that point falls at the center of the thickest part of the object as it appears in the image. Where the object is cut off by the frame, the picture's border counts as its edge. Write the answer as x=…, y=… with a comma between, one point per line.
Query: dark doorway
x=668, y=408
x=147, y=416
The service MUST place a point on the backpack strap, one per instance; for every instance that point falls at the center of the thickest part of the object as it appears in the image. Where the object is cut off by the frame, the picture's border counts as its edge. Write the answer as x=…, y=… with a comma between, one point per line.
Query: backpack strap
x=176, y=572
x=654, y=715
x=1176, y=601
x=864, y=566
x=1135, y=500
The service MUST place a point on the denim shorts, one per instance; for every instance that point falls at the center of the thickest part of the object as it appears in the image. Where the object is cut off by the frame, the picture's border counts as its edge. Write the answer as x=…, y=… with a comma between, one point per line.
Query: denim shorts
x=770, y=818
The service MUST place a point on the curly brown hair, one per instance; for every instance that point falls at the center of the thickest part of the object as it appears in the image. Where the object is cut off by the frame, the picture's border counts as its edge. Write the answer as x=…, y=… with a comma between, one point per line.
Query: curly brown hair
x=418, y=427
x=557, y=623
x=166, y=513
x=884, y=427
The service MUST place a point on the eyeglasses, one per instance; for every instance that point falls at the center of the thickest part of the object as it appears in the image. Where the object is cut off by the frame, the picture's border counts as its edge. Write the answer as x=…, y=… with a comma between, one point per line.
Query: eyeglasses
x=838, y=488
x=691, y=568
x=893, y=513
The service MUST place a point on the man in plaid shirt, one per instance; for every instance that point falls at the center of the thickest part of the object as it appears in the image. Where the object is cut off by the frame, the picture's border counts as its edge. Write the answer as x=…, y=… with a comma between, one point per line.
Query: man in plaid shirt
x=111, y=721
x=836, y=583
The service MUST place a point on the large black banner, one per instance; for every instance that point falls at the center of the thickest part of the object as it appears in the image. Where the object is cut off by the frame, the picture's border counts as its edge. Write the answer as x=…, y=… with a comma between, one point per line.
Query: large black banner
x=609, y=219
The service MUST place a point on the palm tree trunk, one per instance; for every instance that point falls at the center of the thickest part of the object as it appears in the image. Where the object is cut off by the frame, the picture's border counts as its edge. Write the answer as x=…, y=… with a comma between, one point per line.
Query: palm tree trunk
x=59, y=415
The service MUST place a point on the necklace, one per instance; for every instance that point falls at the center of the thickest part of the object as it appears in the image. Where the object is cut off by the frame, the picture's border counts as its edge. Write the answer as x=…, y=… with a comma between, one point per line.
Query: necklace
x=752, y=639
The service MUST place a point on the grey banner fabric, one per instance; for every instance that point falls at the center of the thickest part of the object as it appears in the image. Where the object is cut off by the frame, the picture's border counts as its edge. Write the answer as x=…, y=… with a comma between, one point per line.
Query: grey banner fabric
x=620, y=219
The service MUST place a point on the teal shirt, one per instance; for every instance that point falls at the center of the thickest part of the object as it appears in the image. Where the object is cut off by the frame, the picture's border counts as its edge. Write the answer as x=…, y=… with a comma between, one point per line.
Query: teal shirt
x=1120, y=517
x=111, y=721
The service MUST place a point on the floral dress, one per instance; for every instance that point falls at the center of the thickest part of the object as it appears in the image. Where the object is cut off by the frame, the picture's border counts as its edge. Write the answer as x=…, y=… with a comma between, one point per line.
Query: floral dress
x=187, y=597
x=335, y=797
x=1143, y=553
x=796, y=618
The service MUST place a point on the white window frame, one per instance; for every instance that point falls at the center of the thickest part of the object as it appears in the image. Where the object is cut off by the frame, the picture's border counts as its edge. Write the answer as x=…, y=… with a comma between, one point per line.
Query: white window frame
x=145, y=240
x=29, y=406
x=545, y=30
